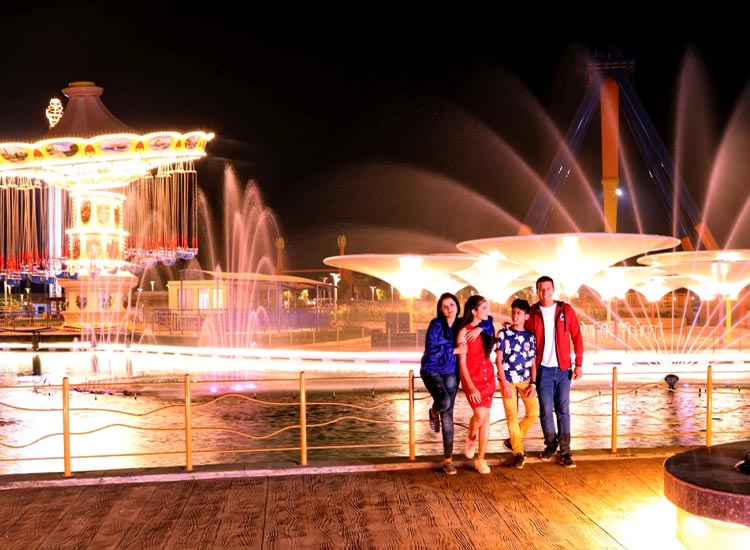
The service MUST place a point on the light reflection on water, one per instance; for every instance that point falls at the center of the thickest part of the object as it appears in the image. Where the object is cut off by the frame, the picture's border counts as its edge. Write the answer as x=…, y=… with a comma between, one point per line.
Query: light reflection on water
x=646, y=410
x=651, y=410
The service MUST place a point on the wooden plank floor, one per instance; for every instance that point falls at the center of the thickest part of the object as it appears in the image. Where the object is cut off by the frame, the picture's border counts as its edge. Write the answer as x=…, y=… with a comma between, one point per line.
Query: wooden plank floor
x=601, y=504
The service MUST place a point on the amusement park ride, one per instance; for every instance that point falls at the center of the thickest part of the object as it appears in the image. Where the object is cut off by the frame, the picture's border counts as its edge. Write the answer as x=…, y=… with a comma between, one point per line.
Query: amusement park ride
x=92, y=202
x=609, y=78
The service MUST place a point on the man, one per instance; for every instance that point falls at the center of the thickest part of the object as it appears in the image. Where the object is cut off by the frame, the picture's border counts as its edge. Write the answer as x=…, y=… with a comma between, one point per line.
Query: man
x=555, y=325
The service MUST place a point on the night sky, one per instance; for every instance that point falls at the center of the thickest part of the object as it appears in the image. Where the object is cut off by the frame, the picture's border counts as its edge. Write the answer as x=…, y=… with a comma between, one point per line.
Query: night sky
x=395, y=126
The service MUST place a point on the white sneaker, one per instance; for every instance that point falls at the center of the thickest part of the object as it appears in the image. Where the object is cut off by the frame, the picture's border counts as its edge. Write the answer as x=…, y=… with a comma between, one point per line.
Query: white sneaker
x=481, y=466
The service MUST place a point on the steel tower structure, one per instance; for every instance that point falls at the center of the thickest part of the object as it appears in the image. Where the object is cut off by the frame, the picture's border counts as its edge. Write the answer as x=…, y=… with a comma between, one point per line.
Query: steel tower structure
x=609, y=86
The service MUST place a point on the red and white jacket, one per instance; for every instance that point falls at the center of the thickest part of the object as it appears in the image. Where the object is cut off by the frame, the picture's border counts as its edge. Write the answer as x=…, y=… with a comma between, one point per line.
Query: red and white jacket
x=567, y=330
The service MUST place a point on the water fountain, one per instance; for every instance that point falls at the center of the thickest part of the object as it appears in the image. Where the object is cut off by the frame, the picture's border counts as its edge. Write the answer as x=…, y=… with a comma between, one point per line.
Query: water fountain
x=723, y=169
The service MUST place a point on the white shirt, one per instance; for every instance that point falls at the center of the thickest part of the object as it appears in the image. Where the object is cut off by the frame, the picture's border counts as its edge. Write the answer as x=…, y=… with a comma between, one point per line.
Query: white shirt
x=549, y=353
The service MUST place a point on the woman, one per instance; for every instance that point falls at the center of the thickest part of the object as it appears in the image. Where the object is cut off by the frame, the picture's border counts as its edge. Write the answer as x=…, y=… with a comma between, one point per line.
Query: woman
x=477, y=379
x=439, y=372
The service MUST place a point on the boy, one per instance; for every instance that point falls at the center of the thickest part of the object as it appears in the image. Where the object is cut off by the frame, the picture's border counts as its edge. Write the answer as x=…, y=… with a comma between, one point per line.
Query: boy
x=514, y=356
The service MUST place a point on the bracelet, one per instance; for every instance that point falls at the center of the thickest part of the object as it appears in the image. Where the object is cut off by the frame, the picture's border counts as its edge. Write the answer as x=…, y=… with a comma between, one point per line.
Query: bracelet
x=532, y=383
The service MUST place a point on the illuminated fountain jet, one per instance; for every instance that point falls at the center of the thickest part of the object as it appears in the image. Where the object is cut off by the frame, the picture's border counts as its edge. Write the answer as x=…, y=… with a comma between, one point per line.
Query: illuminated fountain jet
x=95, y=159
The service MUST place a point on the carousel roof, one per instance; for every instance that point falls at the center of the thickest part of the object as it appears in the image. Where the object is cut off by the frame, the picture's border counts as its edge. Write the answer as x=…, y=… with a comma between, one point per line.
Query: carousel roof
x=85, y=115
x=90, y=148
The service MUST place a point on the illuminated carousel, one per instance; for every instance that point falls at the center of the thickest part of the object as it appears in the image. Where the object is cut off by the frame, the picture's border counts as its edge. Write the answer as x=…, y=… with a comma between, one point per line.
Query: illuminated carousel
x=93, y=202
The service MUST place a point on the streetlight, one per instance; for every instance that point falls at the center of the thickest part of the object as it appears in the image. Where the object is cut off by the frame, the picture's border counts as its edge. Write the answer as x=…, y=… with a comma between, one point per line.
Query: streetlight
x=152, y=285
x=373, y=292
x=336, y=278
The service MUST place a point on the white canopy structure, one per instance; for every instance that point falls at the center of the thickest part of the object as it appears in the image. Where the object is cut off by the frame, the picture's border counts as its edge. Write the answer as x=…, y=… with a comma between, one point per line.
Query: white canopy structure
x=409, y=273
x=723, y=272
x=570, y=258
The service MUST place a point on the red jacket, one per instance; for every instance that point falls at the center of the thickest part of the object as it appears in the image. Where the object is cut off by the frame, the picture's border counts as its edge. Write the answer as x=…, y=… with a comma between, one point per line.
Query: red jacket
x=567, y=329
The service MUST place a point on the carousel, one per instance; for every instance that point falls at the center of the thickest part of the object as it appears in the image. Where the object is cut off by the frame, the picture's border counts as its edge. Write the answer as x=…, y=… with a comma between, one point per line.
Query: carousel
x=94, y=202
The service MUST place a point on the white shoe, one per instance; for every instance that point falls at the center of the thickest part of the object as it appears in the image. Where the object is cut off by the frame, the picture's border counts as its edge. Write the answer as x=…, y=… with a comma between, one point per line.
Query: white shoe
x=481, y=466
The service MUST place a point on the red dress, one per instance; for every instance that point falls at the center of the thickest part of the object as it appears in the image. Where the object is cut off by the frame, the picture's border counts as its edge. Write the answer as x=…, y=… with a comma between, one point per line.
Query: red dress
x=481, y=371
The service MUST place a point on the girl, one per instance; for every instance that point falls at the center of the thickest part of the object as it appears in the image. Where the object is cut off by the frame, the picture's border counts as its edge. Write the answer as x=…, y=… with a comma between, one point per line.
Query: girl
x=477, y=379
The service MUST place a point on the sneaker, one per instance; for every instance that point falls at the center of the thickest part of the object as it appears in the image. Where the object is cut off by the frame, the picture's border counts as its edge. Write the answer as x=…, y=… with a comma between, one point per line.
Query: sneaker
x=434, y=422
x=470, y=447
x=449, y=468
x=507, y=445
x=566, y=460
x=547, y=454
x=518, y=462
x=481, y=466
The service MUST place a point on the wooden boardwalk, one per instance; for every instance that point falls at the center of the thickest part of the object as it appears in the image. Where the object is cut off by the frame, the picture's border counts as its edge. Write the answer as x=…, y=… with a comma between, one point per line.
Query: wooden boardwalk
x=614, y=503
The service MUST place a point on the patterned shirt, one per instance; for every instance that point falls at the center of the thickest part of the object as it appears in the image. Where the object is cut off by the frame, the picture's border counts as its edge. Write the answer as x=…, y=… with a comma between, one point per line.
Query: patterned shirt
x=518, y=349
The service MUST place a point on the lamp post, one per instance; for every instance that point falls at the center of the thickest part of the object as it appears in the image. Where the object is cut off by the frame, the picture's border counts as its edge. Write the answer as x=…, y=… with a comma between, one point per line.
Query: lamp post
x=373, y=293
x=336, y=278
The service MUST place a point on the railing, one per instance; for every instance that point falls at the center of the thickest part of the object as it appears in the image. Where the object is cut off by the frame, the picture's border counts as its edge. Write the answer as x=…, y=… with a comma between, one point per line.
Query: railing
x=27, y=321
x=155, y=422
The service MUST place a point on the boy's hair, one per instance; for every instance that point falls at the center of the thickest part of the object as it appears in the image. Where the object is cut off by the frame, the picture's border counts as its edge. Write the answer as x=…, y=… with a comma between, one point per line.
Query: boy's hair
x=521, y=304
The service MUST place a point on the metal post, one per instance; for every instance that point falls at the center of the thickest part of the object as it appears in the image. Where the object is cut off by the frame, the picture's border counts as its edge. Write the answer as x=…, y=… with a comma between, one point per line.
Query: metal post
x=709, y=403
x=302, y=420
x=66, y=428
x=613, y=442
x=188, y=428
x=412, y=443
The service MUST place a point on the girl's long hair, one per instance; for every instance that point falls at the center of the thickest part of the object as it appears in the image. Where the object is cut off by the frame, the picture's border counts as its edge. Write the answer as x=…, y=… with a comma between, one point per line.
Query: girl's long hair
x=471, y=304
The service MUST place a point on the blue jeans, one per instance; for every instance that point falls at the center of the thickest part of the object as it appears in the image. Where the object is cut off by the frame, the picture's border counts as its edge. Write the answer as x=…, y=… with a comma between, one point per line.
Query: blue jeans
x=443, y=389
x=553, y=386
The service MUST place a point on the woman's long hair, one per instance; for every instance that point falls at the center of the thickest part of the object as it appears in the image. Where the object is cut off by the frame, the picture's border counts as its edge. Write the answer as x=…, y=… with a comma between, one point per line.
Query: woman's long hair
x=472, y=304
